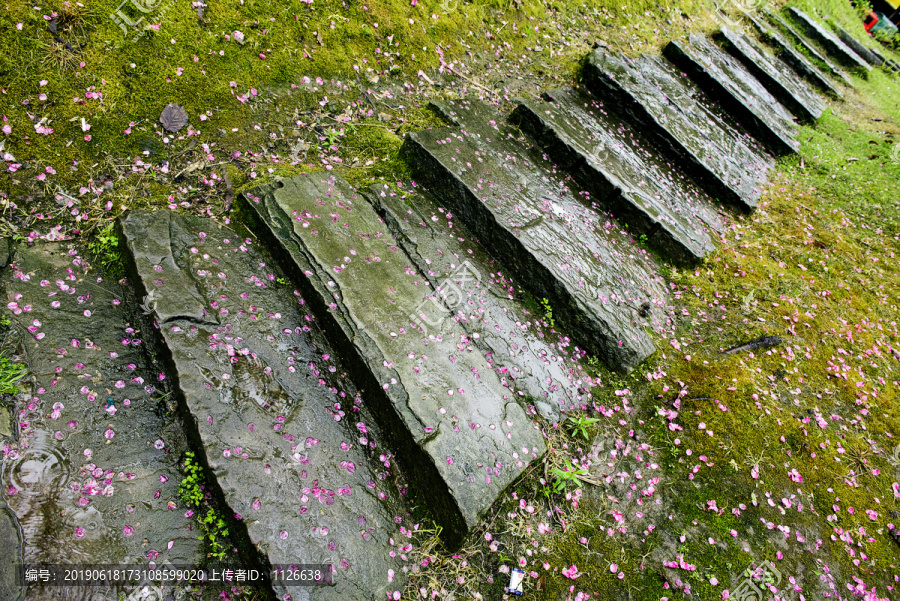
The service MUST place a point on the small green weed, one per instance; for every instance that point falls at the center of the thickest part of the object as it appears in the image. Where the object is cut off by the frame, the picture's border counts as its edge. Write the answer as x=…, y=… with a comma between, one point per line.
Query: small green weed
x=579, y=425
x=215, y=530
x=104, y=245
x=190, y=488
x=10, y=375
x=548, y=312
x=567, y=477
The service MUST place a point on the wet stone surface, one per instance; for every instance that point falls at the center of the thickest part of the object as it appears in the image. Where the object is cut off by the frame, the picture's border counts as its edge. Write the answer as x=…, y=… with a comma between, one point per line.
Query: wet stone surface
x=742, y=95
x=655, y=98
x=794, y=59
x=463, y=436
x=778, y=79
x=832, y=45
x=94, y=475
x=286, y=435
x=808, y=48
x=602, y=287
x=477, y=292
x=608, y=159
x=11, y=588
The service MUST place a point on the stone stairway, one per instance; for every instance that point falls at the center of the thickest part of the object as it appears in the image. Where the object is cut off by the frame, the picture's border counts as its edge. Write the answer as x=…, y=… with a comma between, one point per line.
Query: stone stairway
x=792, y=58
x=806, y=46
x=830, y=42
x=334, y=336
x=722, y=77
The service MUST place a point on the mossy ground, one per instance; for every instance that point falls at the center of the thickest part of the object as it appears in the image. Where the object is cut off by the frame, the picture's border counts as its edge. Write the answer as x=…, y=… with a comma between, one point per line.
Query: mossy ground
x=816, y=265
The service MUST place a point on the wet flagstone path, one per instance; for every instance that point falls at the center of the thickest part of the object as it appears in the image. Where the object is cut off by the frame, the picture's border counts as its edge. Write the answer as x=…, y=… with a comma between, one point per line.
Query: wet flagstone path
x=340, y=357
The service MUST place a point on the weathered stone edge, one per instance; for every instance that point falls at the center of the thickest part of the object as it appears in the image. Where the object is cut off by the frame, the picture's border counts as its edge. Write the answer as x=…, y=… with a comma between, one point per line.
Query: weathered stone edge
x=352, y=344
x=249, y=555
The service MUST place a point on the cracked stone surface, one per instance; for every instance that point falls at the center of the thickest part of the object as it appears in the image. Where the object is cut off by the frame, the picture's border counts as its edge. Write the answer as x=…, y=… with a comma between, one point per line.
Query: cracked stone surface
x=722, y=77
x=607, y=158
x=285, y=432
x=93, y=476
x=795, y=60
x=830, y=42
x=597, y=280
x=463, y=436
x=478, y=295
x=654, y=97
x=778, y=79
x=808, y=48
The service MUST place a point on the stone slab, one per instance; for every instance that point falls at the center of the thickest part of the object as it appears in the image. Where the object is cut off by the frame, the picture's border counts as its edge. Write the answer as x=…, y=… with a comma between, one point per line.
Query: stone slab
x=605, y=156
x=654, y=97
x=285, y=433
x=11, y=585
x=517, y=203
x=740, y=94
x=4, y=251
x=832, y=45
x=478, y=293
x=778, y=79
x=459, y=433
x=873, y=58
x=94, y=476
x=808, y=48
x=796, y=61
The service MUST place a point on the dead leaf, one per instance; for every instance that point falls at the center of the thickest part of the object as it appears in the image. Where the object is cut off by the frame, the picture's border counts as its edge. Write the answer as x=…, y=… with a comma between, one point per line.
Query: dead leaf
x=173, y=117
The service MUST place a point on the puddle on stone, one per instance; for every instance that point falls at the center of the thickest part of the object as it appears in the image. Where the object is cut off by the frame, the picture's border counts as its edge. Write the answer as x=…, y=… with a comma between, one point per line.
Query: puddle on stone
x=88, y=426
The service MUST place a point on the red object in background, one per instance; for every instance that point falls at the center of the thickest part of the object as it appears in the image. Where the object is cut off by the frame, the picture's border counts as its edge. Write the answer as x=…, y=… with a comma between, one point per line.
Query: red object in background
x=871, y=20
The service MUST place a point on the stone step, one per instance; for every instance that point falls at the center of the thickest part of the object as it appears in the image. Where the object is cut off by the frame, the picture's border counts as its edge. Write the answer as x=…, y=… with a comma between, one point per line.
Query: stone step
x=462, y=437
x=625, y=179
x=807, y=47
x=601, y=286
x=868, y=55
x=741, y=95
x=795, y=60
x=287, y=436
x=653, y=96
x=832, y=45
x=477, y=292
x=93, y=474
x=778, y=79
